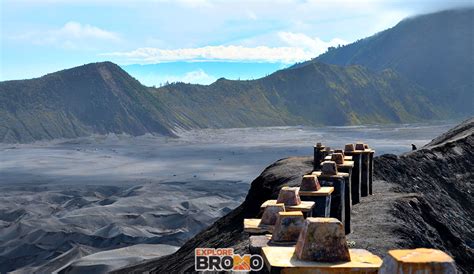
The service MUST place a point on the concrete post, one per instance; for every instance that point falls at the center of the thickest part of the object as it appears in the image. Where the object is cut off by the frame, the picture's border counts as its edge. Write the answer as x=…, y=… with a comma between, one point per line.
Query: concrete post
x=338, y=182
x=420, y=260
x=318, y=155
x=349, y=150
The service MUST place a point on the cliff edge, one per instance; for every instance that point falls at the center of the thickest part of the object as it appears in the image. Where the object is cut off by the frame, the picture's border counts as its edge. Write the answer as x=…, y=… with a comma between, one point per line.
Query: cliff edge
x=421, y=199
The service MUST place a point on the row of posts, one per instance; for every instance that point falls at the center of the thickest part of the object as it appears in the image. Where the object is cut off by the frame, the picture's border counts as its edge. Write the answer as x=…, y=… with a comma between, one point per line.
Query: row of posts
x=304, y=229
x=353, y=179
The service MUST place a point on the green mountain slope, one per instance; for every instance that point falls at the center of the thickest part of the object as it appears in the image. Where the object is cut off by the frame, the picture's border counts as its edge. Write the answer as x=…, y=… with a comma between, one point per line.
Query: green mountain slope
x=315, y=94
x=435, y=51
x=94, y=98
x=102, y=98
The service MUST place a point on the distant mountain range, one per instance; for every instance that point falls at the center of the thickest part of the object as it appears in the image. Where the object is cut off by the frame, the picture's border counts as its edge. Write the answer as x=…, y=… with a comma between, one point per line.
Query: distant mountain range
x=315, y=94
x=102, y=98
x=435, y=51
x=400, y=75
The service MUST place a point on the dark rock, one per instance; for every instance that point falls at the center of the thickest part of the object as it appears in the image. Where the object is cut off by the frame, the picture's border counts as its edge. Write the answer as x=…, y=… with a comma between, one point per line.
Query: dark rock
x=440, y=215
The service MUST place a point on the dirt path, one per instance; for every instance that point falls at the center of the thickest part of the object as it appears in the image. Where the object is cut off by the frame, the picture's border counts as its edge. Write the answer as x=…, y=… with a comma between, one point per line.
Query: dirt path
x=373, y=226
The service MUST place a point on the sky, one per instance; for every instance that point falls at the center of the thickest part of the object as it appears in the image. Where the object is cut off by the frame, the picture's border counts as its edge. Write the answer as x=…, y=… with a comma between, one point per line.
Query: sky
x=167, y=38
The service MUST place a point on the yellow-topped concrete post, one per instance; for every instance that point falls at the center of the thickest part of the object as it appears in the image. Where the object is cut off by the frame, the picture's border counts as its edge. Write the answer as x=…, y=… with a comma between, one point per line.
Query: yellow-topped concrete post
x=266, y=224
x=290, y=197
x=322, y=240
x=349, y=150
x=330, y=176
x=285, y=233
x=345, y=166
x=287, y=227
x=310, y=190
x=371, y=168
x=419, y=260
x=321, y=248
x=321, y=199
x=365, y=168
x=319, y=155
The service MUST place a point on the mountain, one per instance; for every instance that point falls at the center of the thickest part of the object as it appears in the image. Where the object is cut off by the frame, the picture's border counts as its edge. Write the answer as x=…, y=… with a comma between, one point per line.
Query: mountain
x=315, y=94
x=102, y=98
x=435, y=51
x=421, y=69
x=421, y=199
x=94, y=98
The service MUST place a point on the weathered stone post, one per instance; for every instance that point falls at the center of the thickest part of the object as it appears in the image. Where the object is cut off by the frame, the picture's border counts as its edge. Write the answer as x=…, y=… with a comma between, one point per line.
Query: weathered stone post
x=349, y=150
x=309, y=183
x=290, y=197
x=371, y=169
x=287, y=227
x=266, y=223
x=270, y=214
x=285, y=233
x=311, y=190
x=318, y=155
x=329, y=176
x=420, y=260
x=328, y=151
x=346, y=167
x=321, y=248
x=322, y=240
x=365, y=169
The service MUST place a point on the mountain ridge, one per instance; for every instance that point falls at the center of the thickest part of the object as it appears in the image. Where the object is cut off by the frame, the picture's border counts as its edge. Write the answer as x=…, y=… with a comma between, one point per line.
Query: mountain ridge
x=93, y=98
x=317, y=94
x=102, y=98
x=435, y=51
x=390, y=77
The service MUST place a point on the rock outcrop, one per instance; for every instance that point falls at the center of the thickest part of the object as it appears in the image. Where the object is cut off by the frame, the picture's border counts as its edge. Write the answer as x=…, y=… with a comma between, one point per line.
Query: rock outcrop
x=421, y=199
x=440, y=177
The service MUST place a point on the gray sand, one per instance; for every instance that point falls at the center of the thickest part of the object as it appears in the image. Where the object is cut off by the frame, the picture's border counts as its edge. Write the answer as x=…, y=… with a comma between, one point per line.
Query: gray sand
x=104, y=192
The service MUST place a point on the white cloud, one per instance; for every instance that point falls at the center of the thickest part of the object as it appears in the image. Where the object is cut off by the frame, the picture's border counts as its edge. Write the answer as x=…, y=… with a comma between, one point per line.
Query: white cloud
x=78, y=31
x=72, y=35
x=314, y=45
x=198, y=76
x=297, y=47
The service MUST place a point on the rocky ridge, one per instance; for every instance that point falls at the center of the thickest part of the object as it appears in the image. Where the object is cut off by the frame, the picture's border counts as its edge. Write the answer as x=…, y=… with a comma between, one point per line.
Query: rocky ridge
x=422, y=199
